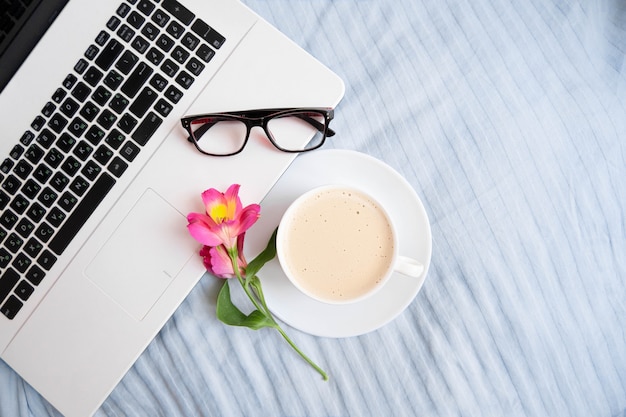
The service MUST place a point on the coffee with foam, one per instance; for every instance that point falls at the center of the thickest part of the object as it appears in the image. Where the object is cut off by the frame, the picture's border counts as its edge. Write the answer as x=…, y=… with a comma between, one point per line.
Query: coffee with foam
x=336, y=244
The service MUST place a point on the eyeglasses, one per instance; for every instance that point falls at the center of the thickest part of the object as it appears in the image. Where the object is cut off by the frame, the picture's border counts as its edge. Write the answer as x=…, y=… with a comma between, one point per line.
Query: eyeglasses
x=225, y=134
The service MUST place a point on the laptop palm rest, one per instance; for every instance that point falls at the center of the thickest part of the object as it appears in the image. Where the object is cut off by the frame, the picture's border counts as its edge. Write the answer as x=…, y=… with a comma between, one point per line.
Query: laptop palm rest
x=142, y=256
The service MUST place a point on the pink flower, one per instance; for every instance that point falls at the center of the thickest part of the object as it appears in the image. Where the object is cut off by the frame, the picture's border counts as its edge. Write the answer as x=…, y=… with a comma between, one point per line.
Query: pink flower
x=217, y=260
x=224, y=220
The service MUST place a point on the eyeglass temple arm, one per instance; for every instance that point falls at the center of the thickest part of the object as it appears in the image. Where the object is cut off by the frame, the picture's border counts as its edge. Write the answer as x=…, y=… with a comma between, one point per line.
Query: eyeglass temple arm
x=319, y=126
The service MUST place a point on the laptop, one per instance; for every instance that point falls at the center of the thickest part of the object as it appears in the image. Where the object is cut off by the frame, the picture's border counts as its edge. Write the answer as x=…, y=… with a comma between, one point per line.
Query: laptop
x=97, y=174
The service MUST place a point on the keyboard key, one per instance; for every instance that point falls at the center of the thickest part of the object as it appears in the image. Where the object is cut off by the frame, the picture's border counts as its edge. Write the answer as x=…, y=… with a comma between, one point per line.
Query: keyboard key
x=113, y=80
x=35, y=212
x=101, y=95
x=137, y=79
x=69, y=81
x=77, y=127
x=173, y=94
x=158, y=82
x=165, y=43
x=21, y=264
x=94, y=135
x=69, y=107
x=34, y=153
x=42, y=173
x=11, y=307
x=11, y=184
x=91, y=170
x=35, y=275
x=81, y=66
x=150, y=31
x=46, y=260
x=117, y=166
x=67, y=201
x=155, y=56
x=118, y=103
x=123, y=10
x=146, y=128
x=135, y=20
x=102, y=37
x=24, y=290
x=27, y=138
x=38, y=123
x=109, y=54
x=180, y=55
x=113, y=23
x=56, y=217
x=53, y=157
x=190, y=41
x=58, y=95
x=106, y=119
x=115, y=138
x=22, y=169
x=194, y=66
x=160, y=18
x=65, y=142
x=146, y=7
x=77, y=219
x=48, y=109
x=44, y=232
x=91, y=52
x=59, y=181
x=163, y=107
x=179, y=11
x=58, y=122
x=127, y=123
x=93, y=76
x=79, y=186
x=46, y=138
x=125, y=33
x=13, y=243
x=126, y=62
x=206, y=32
x=143, y=102
x=81, y=91
x=70, y=166
x=31, y=189
x=83, y=150
x=129, y=151
x=32, y=248
x=25, y=227
x=140, y=44
x=19, y=204
x=89, y=111
x=169, y=68
x=184, y=80
x=47, y=197
x=5, y=258
x=8, y=280
x=175, y=29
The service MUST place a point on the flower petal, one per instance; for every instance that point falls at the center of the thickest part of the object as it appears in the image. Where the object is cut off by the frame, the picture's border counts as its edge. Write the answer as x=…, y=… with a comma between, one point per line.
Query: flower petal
x=203, y=229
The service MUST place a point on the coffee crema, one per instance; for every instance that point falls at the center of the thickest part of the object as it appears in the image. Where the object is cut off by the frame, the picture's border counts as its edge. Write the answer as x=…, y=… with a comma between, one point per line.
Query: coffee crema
x=338, y=244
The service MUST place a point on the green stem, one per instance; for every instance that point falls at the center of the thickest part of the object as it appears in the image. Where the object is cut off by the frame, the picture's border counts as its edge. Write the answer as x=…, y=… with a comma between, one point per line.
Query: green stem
x=255, y=297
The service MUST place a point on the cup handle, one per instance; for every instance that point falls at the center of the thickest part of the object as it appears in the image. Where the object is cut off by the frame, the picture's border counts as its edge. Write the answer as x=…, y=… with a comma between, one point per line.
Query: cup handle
x=408, y=266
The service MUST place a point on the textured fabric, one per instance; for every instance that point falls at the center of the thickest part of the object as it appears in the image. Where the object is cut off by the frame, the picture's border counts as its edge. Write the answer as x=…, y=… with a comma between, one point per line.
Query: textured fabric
x=509, y=120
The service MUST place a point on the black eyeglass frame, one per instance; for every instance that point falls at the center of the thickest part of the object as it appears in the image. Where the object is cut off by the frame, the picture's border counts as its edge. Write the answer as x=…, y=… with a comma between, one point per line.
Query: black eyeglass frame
x=260, y=118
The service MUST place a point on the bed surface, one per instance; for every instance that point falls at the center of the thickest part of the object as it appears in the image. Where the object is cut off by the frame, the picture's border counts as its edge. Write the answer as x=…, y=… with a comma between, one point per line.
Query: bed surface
x=508, y=119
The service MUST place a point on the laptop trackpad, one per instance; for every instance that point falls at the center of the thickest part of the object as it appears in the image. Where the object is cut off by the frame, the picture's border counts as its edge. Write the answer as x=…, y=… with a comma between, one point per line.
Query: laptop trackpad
x=144, y=254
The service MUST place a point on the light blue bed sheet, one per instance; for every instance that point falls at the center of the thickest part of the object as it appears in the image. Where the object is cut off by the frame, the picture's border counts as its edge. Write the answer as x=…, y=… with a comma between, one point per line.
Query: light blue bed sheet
x=509, y=120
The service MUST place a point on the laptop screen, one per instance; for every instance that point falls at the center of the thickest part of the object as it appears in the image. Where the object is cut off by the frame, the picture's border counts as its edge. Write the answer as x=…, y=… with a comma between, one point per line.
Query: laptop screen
x=22, y=24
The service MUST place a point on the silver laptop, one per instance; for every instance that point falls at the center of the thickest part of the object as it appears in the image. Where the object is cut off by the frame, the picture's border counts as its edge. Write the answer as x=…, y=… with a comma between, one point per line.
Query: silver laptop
x=98, y=175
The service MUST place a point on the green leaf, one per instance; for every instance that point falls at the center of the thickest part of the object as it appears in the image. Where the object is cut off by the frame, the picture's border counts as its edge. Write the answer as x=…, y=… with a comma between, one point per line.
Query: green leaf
x=228, y=313
x=262, y=258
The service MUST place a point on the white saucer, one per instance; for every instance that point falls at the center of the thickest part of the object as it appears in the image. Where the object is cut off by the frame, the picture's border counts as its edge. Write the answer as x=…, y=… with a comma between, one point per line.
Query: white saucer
x=406, y=210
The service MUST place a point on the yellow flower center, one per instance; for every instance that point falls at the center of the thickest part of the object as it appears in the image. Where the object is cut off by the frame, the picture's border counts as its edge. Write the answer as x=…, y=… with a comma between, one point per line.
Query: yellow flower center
x=219, y=212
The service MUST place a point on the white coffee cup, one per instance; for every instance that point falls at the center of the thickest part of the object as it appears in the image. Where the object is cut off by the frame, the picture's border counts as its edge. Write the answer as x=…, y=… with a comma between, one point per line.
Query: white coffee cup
x=338, y=245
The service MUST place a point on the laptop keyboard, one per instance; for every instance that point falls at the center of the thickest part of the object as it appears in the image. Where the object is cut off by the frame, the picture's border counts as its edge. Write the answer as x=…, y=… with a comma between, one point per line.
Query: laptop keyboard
x=105, y=111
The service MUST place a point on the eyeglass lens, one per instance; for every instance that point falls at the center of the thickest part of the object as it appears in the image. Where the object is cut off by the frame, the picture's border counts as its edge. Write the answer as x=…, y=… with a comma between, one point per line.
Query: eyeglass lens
x=224, y=135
